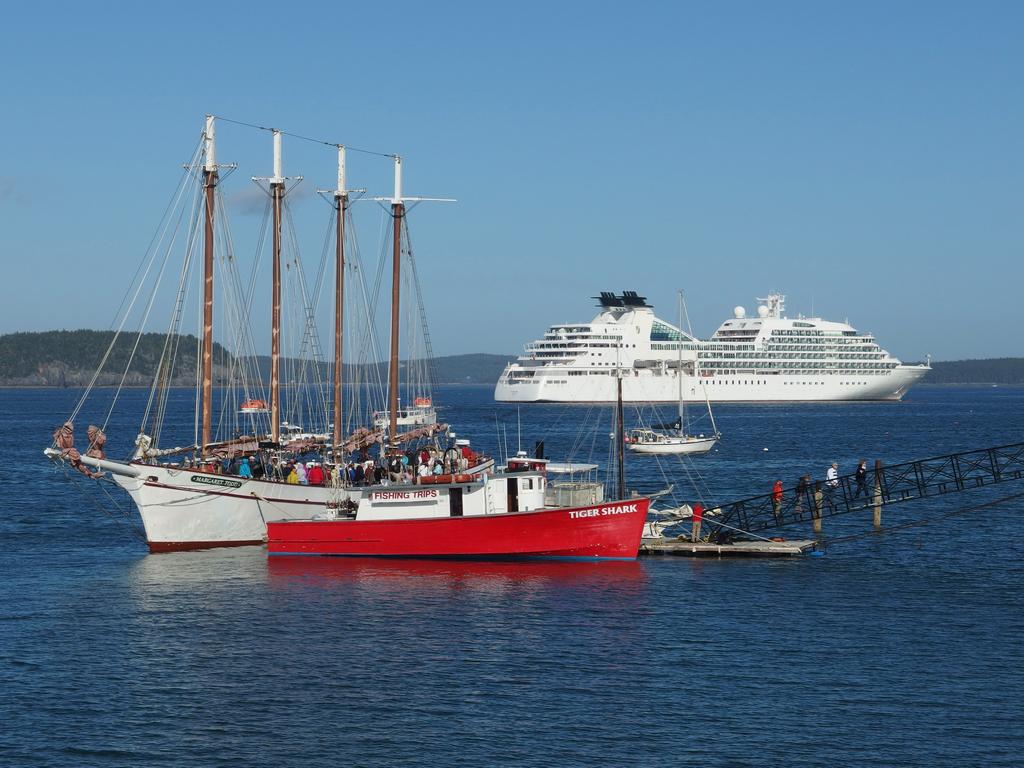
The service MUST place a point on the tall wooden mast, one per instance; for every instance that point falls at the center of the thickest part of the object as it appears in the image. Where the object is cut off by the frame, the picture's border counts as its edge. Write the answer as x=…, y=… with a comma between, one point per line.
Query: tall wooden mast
x=397, y=213
x=209, y=188
x=277, y=194
x=341, y=209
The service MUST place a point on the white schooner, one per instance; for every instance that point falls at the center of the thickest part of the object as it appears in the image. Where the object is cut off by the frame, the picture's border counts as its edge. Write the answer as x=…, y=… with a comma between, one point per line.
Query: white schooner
x=185, y=498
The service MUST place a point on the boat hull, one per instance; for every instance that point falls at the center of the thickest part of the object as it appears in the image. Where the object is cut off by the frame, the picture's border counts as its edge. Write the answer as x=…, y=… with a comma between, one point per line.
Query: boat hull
x=606, y=531
x=184, y=509
x=692, y=447
x=555, y=385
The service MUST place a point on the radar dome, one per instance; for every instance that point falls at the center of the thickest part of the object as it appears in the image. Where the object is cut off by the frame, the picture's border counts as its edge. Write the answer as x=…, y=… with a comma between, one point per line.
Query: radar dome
x=762, y=311
x=739, y=313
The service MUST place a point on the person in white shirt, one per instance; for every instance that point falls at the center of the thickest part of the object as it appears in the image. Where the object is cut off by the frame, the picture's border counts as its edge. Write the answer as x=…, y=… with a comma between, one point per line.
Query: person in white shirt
x=831, y=482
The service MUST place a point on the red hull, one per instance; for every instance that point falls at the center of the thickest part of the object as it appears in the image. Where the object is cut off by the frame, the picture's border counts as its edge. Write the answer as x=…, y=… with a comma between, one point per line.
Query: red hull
x=610, y=530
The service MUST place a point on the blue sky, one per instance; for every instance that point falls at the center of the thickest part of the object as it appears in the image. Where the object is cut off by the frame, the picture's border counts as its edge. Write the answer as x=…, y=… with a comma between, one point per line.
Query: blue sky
x=864, y=158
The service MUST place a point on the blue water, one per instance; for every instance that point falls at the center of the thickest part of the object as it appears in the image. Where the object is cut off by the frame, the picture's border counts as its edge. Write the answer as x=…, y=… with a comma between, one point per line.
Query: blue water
x=897, y=649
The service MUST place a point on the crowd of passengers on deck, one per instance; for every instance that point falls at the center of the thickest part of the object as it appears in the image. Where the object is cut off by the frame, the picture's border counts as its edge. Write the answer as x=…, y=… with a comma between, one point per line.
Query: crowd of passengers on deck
x=408, y=467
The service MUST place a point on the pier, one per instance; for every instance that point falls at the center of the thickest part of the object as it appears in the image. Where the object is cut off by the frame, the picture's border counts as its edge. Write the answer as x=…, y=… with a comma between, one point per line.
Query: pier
x=745, y=527
x=681, y=546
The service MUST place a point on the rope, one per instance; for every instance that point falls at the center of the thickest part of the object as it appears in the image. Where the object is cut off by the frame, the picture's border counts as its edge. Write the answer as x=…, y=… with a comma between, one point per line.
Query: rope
x=74, y=478
x=151, y=259
x=306, y=138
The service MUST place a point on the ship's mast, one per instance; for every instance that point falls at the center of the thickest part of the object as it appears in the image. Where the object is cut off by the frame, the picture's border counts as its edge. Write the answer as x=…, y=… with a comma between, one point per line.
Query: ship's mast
x=679, y=364
x=397, y=213
x=341, y=208
x=210, y=177
x=277, y=195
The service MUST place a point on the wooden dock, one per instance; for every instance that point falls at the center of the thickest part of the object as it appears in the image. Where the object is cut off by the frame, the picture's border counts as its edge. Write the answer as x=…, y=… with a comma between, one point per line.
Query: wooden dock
x=686, y=548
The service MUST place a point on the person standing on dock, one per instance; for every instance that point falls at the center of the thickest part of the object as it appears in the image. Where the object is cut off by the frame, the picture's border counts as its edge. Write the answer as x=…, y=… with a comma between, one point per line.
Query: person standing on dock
x=803, y=487
x=698, y=516
x=777, y=498
x=831, y=483
x=862, y=480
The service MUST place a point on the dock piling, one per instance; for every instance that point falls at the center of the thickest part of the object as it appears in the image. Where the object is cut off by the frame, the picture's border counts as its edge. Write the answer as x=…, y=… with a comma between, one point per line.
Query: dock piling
x=877, y=501
x=816, y=514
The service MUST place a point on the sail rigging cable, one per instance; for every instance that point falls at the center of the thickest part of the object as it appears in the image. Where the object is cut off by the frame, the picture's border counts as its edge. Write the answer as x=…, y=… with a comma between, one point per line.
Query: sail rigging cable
x=348, y=147
x=148, y=259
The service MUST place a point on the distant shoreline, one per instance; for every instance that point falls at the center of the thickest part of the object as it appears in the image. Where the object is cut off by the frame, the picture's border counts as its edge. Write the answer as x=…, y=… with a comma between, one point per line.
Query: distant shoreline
x=929, y=385
x=68, y=359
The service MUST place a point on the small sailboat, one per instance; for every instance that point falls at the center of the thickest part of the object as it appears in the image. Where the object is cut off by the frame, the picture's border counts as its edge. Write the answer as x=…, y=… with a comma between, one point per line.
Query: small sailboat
x=651, y=441
x=674, y=438
x=421, y=412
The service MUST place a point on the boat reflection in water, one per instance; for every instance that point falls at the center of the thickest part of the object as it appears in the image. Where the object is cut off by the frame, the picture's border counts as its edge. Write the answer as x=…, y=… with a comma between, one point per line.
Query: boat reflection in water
x=425, y=575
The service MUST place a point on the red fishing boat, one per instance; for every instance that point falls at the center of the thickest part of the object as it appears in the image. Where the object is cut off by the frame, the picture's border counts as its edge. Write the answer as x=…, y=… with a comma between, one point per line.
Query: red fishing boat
x=471, y=515
x=494, y=517
x=512, y=514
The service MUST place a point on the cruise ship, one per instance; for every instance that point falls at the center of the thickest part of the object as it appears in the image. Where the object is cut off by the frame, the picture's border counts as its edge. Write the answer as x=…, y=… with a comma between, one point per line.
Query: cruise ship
x=767, y=357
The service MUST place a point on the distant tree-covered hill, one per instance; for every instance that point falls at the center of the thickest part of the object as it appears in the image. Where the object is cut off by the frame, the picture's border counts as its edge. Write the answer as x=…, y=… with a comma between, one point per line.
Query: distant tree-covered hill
x=996, y=370
x=479, y=368
x=69, y=358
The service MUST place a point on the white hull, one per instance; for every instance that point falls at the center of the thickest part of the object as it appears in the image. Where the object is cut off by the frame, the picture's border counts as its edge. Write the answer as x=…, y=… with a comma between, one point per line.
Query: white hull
x=675, y=446
x=189, y=509
x=186, y=509
x=413, y=417
x=652, y=386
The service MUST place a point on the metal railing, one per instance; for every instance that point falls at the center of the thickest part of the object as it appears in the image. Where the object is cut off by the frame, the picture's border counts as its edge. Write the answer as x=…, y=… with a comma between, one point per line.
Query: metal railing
x=936, y=476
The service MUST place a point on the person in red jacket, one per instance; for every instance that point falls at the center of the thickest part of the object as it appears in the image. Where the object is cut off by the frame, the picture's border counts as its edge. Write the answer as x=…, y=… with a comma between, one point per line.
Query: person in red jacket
x=777, y=498
x=315, y=474
x=698, y=516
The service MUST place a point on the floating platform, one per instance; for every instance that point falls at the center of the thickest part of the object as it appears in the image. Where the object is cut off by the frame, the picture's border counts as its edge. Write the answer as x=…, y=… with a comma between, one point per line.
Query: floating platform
x=686, y=548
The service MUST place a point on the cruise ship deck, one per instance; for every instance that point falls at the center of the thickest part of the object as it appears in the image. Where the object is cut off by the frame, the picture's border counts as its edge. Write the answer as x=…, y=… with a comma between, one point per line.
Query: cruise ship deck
x=767, y=357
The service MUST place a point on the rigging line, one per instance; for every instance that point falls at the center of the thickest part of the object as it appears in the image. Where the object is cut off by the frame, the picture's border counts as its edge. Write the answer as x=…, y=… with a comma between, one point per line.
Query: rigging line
x=191, y=240
x=173, y=339
x=227, y=423
x=325, y=253
x=428, y=348
x=69, y=475
x=244, y=364
x=231, y=281
x=171, y=342
x=306, y=138
x=577, y=444
x=124, y=319
x=369, y=348
x=173, y=238
x=311, y=349
x=145, y=317
x=185, y=173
